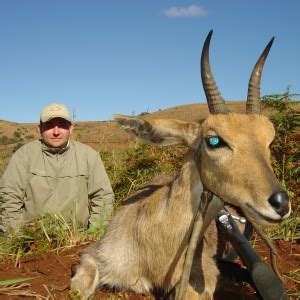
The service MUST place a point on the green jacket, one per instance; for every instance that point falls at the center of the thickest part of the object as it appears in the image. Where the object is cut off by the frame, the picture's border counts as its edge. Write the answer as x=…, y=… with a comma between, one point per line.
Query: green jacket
x=73, y=182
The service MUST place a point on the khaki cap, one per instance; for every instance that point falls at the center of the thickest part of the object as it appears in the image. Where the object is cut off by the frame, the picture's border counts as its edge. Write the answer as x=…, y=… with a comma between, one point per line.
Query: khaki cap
x=54, y=110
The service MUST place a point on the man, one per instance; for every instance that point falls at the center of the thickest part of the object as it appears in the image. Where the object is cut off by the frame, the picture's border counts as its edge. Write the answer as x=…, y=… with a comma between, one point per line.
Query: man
x=55, y=174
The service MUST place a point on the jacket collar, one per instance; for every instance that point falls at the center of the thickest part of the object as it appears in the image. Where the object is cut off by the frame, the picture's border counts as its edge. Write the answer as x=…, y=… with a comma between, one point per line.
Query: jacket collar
x=51, y=150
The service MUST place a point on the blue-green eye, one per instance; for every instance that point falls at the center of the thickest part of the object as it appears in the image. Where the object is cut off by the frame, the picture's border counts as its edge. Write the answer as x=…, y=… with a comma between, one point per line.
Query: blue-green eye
x=214, y=141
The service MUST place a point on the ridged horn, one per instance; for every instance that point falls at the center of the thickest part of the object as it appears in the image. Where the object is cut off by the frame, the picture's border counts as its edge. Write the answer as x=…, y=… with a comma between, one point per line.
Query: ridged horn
x=253, y=98
x=216, y=103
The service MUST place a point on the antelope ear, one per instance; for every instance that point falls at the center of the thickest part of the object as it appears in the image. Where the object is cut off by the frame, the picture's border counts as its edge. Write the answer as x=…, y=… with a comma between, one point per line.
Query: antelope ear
x=160, y=131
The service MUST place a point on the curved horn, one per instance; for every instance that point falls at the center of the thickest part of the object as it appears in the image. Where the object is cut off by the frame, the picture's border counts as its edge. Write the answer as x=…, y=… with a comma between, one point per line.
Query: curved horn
x=216, y=103
x=253, y=98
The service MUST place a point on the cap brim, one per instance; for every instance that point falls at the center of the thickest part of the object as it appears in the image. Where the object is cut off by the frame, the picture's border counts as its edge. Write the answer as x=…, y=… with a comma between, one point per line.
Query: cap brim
x=48, y=118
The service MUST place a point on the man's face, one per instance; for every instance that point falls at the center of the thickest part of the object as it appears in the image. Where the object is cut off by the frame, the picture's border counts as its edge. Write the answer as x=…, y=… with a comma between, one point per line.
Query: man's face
x=56, y=132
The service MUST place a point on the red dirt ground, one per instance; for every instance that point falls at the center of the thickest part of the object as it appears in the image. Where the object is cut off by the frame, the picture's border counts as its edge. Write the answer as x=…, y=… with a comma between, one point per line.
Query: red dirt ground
x=51, y=274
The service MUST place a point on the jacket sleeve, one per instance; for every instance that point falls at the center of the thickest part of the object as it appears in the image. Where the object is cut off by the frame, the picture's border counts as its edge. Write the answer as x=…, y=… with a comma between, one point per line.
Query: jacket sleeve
x=12, y=191
x=101, y=196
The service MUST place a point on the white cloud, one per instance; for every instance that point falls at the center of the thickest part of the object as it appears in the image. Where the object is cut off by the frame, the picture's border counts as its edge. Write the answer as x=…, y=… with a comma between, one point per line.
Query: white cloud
x=190, y=11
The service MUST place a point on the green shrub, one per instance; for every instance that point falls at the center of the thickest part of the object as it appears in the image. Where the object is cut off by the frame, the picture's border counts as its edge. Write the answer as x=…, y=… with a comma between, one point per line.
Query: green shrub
x=285, y=158
x=285, y=148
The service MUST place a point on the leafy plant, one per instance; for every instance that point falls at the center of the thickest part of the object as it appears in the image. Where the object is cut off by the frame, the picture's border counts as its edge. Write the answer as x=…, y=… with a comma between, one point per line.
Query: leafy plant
x=284, y=148
x=285, y=156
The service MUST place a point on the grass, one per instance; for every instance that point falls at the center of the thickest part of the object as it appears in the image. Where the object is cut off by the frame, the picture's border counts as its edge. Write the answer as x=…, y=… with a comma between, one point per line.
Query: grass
x=17, y=287
x=137, y=165
x=294, y=276
x=10, y=282
x=49, y=232
x=287, y=230
x=128, y=171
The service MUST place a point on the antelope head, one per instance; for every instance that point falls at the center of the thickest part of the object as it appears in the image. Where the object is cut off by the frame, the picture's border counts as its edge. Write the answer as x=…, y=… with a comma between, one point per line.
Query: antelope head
x=235, y=149
x=231, y=151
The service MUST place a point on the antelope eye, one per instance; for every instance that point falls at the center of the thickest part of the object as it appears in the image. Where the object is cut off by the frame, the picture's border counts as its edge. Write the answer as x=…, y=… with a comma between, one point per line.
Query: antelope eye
x=215, y=141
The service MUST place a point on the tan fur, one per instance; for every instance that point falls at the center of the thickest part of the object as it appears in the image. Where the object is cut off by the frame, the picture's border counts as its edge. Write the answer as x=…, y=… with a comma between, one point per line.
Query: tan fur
x=244, y=170
x=145, y=243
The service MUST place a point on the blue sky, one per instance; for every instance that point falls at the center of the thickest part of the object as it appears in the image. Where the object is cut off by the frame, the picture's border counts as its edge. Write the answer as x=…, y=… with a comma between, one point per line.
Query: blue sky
x=130, y=56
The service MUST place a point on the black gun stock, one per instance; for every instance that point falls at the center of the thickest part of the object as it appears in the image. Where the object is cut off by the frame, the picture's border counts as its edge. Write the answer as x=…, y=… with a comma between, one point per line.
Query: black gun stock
x=264, y=279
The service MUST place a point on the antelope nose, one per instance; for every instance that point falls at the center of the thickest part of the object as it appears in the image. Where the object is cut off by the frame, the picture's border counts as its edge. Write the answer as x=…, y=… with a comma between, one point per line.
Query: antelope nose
x=280, y=202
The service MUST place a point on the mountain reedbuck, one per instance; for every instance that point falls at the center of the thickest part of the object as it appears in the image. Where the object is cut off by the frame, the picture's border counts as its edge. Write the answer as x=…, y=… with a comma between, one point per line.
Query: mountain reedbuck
x=145, y=243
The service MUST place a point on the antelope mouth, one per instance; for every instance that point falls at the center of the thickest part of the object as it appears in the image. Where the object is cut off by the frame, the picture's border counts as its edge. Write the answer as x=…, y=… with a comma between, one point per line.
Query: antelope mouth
x=261, y=218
